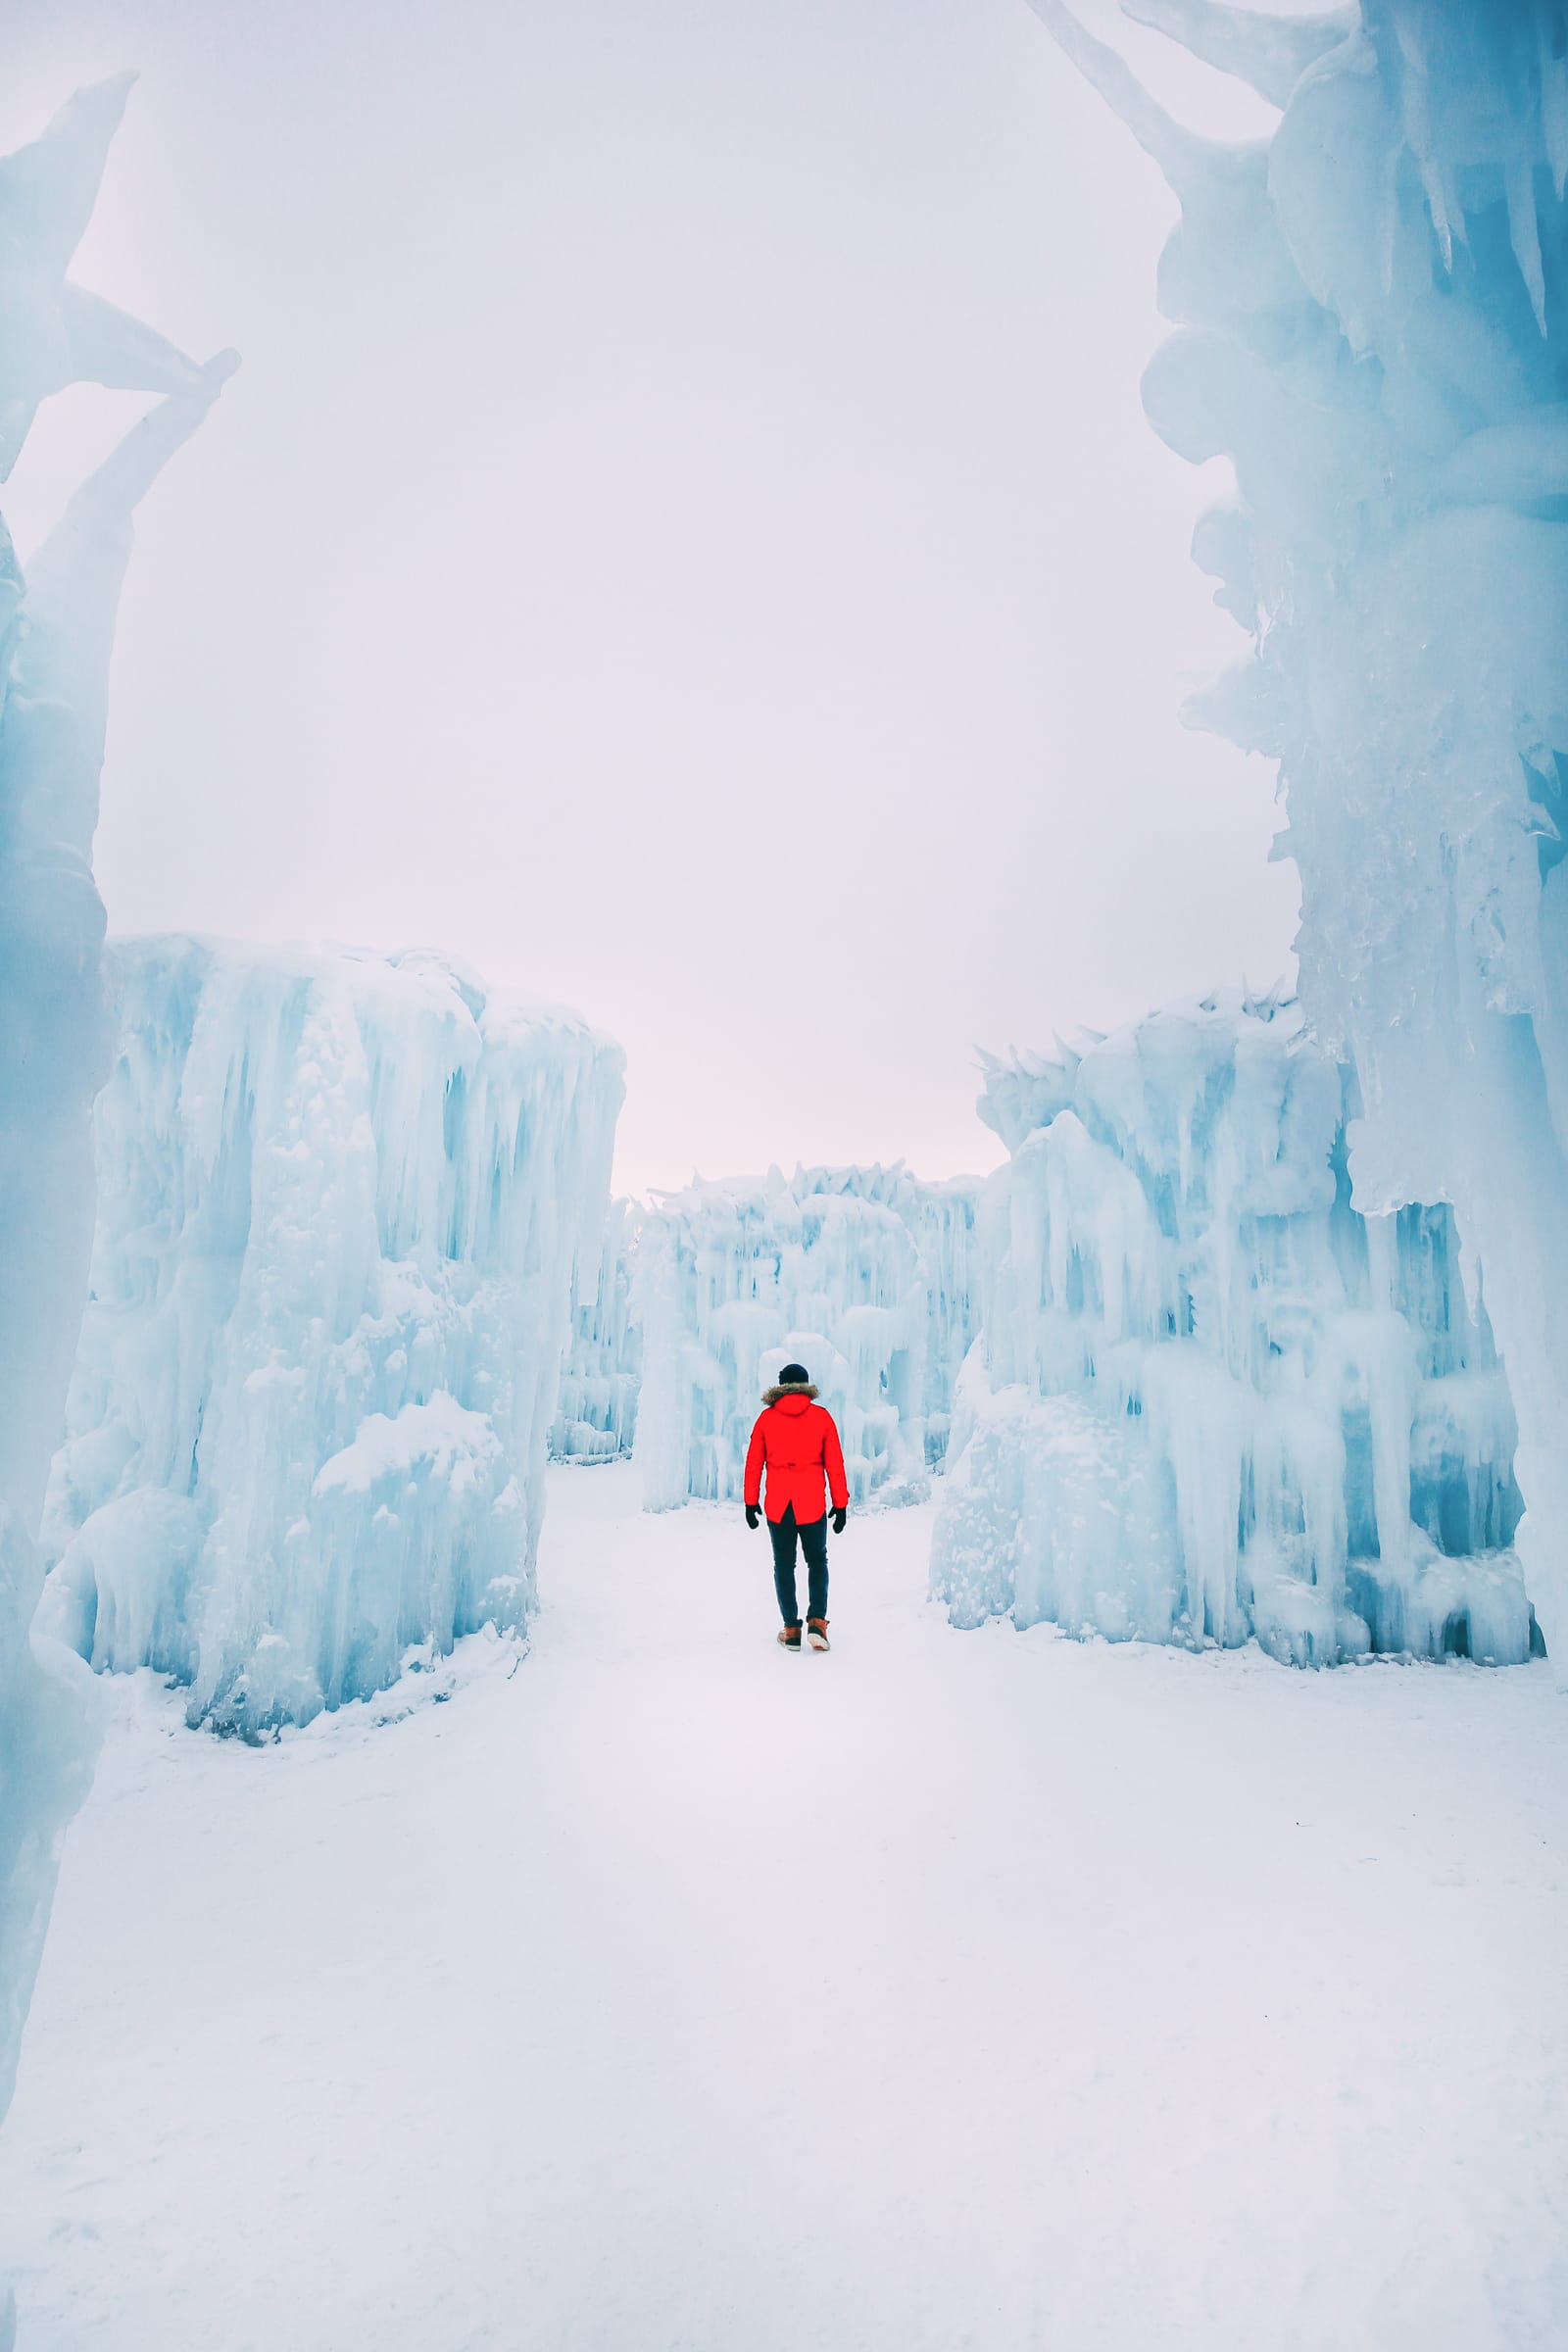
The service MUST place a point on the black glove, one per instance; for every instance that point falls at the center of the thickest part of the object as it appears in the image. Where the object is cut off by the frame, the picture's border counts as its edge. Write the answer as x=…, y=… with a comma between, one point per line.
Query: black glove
x=753, y=1514
x=840, y=1515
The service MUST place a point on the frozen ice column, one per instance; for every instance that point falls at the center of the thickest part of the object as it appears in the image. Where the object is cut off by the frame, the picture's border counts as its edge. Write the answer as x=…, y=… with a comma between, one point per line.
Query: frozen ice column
x=860, y=1274
x=595, y=1414
x=53, y=1056
x=1210, y=1400
x=56, y=629
x=346, y=1201
x=1370, y=321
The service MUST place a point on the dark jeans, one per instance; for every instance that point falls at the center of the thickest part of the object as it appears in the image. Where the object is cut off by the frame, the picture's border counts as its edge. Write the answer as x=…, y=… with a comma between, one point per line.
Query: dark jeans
x=813, y=1543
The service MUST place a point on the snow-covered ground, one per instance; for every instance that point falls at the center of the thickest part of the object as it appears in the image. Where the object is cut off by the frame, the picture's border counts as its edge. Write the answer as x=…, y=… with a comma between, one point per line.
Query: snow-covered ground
x=957, y=1990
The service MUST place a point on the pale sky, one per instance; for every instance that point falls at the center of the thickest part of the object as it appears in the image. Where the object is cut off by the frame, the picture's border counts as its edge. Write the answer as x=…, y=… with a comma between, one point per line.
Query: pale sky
x=684, y=538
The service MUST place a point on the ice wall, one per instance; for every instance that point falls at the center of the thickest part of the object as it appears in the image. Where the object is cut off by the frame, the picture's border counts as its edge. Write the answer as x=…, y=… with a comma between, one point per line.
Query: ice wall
x=1372, y=313
x=863, y=1274
x=596, y=1417
x=344, y=1201
x=56, y=629
x=1210, y=1398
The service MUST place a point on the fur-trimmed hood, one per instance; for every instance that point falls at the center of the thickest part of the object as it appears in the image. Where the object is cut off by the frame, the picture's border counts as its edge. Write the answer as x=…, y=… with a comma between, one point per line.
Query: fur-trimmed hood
x=777, y=1396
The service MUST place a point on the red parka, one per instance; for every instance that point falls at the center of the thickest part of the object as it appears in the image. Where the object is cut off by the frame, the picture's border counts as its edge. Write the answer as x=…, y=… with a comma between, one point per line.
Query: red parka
x=797, y=1443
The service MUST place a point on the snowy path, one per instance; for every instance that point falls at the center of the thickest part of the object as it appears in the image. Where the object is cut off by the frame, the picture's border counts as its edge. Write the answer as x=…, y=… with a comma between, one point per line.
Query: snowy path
x=954, y=1991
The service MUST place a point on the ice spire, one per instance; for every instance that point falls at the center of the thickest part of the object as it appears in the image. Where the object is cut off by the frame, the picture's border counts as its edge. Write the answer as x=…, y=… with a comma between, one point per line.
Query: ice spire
x=53, y=333
x=56, y=633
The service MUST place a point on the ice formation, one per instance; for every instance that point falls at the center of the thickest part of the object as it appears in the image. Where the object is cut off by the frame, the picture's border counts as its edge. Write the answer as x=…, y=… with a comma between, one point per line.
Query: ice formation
x=344, y=1201
x=861, y=1274
x=1372, y=313
x=56, y=629
x=596, y=1417
x=56, y=333
x=1210, y=1398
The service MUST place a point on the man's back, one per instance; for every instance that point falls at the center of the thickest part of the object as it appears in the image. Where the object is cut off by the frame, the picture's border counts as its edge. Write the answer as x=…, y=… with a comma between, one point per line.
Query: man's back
x=796, y=1441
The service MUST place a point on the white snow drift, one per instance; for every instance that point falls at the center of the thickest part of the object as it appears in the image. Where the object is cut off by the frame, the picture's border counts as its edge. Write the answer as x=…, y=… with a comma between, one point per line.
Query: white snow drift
x=1138, y=1999
x=344, y=1204
x=1210, y=1397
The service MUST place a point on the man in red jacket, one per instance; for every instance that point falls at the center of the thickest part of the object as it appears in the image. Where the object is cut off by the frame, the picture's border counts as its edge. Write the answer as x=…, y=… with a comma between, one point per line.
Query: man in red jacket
x=796, y=1441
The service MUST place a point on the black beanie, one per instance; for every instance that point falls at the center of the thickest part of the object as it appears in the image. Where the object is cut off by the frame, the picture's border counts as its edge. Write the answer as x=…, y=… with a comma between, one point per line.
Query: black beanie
x=793, y=1376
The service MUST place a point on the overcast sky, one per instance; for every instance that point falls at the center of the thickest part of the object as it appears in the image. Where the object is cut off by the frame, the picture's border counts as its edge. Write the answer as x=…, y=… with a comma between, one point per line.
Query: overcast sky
x=684, y=537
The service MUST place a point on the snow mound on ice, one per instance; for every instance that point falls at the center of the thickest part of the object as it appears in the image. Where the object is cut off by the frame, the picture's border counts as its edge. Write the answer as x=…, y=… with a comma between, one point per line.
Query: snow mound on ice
x=439, y=1439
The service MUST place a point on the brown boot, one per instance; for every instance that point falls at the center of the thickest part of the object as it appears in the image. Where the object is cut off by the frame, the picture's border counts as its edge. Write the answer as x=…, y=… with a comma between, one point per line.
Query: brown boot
x=816, y=1634
x=790, y=1636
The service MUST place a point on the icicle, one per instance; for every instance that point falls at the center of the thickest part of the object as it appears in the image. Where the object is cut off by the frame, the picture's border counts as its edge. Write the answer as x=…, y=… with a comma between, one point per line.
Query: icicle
x=1555, y=95
x=1448, y=220
x=1524, y=229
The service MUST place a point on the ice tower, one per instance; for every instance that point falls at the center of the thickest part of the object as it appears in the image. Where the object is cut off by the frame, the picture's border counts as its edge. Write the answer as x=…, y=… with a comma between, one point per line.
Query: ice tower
x=1210, y=1400
x=1371, y=313
x=346, y=1204
x=56, y=629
